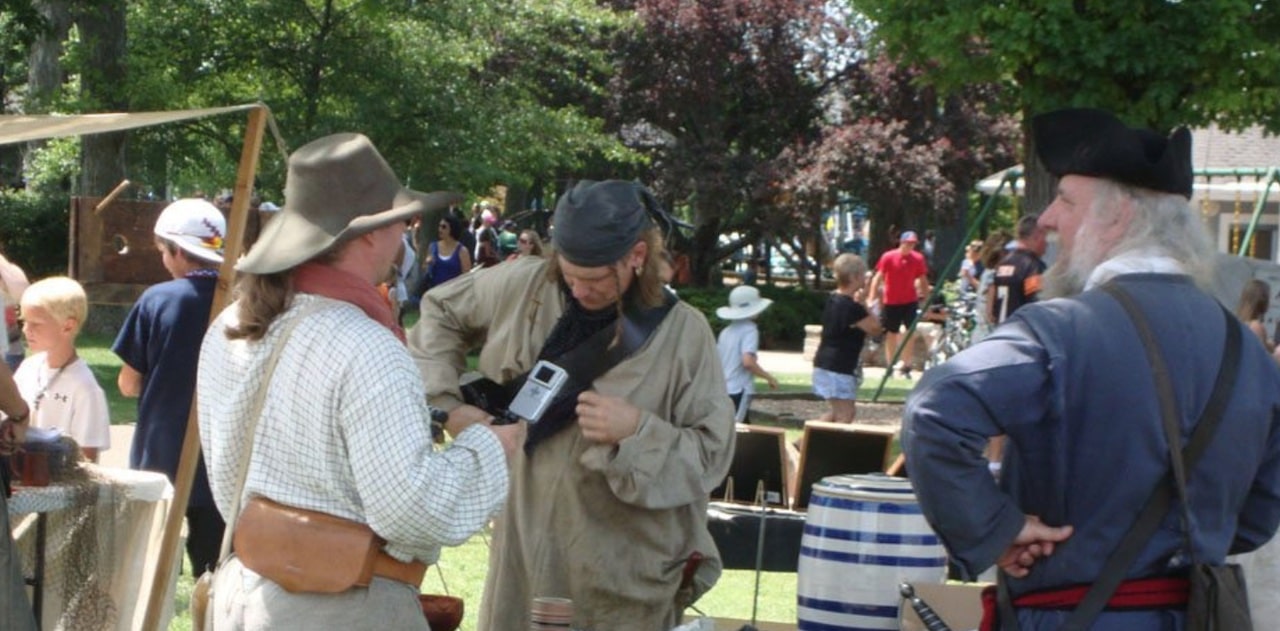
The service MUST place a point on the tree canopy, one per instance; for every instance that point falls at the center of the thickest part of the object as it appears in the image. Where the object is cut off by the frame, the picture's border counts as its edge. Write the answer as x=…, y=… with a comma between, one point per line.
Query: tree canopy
x=458, y=94
x=1157, y=64
x=714, y=91
x=902, y=149
x=754, y=119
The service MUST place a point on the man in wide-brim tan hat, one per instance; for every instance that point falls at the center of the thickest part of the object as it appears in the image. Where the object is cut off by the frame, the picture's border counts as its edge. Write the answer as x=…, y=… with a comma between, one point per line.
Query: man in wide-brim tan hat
x=344, y=429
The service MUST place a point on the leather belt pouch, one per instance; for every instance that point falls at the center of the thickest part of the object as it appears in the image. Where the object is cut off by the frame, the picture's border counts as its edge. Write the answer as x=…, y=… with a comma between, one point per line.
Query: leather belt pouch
x=303, y=550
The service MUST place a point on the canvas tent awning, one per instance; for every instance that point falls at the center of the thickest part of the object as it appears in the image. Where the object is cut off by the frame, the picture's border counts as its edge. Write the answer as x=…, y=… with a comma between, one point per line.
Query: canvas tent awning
x=24, y=128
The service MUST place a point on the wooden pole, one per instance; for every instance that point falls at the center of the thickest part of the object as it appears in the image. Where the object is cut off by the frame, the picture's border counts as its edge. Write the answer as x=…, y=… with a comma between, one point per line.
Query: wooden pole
x=111, y=197
x=191, y=443
x=898, y=464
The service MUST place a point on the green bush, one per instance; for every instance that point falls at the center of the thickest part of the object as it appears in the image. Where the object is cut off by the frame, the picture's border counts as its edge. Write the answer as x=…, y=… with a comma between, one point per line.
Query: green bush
x=33, y=231
x=781, y=326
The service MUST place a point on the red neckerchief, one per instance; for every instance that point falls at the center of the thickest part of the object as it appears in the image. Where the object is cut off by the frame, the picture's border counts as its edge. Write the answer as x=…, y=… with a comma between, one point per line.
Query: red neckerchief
x=331, y=282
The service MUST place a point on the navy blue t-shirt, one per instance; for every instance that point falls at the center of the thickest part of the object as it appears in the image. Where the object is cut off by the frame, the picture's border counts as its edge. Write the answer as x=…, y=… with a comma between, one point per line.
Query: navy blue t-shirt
x=161, y=338
x=842, y=340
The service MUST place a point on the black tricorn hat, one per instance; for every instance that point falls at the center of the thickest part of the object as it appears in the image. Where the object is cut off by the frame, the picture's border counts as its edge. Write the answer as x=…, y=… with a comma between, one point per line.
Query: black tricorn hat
x=1097, y=144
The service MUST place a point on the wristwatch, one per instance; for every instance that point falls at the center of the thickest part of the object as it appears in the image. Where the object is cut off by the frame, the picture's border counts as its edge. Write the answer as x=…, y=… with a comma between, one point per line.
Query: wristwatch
x=438, y=418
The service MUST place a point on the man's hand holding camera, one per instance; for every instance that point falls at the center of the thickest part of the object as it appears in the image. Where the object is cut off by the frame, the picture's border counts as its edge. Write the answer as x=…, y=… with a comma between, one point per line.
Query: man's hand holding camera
x=606, y=420
x=511, y=436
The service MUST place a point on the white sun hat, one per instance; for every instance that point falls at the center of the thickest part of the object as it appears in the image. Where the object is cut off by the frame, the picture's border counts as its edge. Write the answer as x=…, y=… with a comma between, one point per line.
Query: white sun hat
x=744, y=302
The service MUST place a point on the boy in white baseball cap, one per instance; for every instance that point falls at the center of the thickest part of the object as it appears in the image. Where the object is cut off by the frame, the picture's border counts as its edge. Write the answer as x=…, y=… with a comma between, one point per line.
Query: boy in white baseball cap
x=191, y=228
x=159, y=344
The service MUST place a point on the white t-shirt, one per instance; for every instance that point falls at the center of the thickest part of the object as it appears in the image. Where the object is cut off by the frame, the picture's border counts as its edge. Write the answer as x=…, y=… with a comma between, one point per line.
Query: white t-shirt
x=69, y=399
x=739, y=337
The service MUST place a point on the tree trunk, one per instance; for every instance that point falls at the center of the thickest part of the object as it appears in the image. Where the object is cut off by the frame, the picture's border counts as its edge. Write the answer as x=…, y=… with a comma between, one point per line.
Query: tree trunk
x=102, y=85
x=708, y=217
x=44, y=72
x=951, y=233
x=44, y=67
x=1041, y=186
x=703, y=263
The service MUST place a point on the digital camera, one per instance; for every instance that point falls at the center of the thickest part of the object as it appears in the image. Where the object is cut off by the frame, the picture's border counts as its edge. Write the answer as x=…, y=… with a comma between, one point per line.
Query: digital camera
x=539, y=390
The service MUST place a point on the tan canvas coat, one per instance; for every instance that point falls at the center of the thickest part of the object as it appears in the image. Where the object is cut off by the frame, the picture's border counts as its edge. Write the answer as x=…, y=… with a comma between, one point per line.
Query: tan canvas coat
x=609, y=527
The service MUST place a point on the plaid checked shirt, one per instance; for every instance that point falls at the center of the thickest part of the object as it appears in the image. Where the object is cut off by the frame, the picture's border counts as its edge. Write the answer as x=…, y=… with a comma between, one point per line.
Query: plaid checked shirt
x=344, y=430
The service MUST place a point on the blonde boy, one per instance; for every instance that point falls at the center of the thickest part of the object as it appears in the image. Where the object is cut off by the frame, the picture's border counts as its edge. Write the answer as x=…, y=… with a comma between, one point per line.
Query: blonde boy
x=57, y=385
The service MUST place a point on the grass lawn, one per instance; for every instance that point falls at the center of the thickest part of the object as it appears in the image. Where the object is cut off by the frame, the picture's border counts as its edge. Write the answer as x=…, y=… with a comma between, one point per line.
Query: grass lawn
x=462, y=569
x=95, y=349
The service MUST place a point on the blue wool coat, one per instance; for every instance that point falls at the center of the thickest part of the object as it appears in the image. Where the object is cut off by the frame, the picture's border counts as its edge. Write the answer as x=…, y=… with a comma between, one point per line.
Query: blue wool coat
x=1069, y=383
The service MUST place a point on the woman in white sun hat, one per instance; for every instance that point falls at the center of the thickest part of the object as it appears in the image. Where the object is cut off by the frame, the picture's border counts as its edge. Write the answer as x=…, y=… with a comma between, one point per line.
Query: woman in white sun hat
x=739, y=344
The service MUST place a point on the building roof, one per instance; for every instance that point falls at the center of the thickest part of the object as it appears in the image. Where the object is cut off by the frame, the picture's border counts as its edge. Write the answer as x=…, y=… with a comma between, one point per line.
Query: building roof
x=1213, y=148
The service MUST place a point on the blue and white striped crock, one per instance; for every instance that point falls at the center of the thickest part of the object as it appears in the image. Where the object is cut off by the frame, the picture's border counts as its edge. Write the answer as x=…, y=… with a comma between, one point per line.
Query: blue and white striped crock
x=864, y=535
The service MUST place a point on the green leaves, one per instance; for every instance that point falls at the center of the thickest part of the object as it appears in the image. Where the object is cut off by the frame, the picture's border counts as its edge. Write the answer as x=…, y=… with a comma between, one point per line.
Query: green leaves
x=457, y=93
x=1156, y=63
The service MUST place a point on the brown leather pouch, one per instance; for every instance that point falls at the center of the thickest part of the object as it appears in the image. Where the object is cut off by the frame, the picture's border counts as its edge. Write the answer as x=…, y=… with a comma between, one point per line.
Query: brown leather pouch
x=303, y=550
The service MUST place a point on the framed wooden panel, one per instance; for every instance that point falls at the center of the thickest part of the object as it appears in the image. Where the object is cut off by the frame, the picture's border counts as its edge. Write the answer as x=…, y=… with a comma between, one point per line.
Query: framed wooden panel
x=759, y=461
x=839, y=448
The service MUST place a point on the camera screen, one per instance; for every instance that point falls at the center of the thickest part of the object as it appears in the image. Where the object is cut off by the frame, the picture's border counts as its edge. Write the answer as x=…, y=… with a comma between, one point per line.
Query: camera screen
x=544, y=374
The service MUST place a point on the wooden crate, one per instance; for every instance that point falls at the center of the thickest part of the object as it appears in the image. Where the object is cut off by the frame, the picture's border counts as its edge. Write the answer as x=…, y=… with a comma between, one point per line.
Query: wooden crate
x=839, y=448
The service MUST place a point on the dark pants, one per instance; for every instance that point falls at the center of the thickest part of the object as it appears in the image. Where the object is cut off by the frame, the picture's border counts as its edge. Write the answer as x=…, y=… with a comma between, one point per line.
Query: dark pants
x=15, y=607
x=737, y=403
x=204, y=537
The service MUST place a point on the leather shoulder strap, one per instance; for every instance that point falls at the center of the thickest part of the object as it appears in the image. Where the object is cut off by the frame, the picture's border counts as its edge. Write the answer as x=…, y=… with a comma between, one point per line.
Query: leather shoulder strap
x=254, y=413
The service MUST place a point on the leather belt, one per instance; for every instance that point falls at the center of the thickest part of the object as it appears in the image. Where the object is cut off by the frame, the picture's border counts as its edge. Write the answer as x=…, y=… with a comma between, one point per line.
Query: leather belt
x=387, y=566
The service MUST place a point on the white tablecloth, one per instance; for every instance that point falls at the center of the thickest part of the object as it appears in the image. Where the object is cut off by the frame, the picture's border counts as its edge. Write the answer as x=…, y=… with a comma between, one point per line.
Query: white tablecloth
x=103, y=542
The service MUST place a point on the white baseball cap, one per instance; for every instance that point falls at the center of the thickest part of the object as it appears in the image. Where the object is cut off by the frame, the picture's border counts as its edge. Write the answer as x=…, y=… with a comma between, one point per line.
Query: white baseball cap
x=196, y=226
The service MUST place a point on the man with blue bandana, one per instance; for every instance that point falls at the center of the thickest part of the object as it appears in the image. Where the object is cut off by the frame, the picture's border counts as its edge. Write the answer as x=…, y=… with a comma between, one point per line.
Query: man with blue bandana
x=608, y=502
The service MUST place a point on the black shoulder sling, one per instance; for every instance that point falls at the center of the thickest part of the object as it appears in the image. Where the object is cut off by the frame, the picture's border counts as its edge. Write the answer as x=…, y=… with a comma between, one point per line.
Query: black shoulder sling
x=584, y=363
x=1181, y=460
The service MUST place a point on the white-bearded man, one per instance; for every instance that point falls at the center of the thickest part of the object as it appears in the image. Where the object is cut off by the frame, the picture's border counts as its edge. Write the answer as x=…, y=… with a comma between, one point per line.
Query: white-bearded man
x=1069, y=382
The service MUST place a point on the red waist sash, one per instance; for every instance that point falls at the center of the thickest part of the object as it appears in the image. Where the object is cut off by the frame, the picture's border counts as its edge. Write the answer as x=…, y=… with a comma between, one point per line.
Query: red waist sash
x=1140, y=593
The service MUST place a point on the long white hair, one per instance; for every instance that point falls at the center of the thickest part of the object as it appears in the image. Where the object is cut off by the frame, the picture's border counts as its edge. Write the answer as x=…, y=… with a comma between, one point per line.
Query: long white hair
x=1162, y=223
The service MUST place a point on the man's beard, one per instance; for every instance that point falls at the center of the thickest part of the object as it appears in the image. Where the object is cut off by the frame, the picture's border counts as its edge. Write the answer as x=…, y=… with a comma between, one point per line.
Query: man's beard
x=1068, y=275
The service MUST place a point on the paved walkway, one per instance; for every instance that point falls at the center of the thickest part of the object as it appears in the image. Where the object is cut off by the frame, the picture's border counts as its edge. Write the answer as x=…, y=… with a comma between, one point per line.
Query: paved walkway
x=794, y=362
x=785, y=362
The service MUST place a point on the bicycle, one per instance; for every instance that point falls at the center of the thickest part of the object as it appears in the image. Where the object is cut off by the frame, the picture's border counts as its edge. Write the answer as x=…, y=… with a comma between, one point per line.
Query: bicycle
x=957, y=330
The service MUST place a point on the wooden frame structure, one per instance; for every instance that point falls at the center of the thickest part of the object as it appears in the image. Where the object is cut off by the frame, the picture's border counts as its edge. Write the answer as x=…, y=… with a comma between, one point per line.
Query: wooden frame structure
x=23, y=128
x=759, y=467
